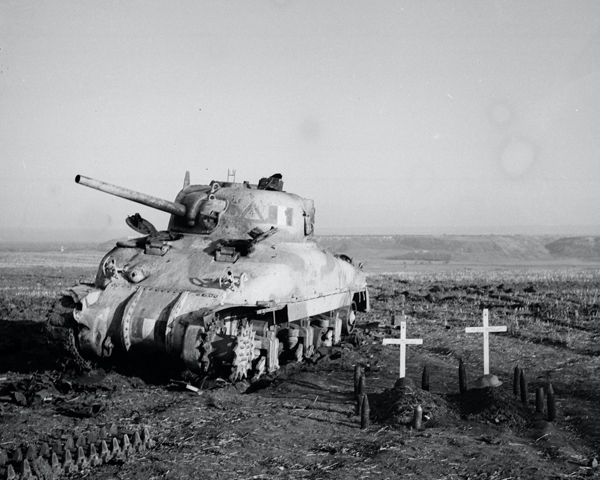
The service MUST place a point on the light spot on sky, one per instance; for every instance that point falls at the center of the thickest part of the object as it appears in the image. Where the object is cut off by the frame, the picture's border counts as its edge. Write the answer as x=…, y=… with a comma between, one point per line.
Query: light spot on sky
x=394, y=115
x=54, y=190
x=501, y=114
x=517, y=158
x=310, y=130
x=95, y=218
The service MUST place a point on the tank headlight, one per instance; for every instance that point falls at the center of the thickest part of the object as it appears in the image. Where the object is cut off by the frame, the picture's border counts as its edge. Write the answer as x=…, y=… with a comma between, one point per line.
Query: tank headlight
x=135, y=275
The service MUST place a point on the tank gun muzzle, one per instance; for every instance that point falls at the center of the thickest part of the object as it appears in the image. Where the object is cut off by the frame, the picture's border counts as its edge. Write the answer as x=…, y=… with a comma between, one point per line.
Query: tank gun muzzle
x=173, y=208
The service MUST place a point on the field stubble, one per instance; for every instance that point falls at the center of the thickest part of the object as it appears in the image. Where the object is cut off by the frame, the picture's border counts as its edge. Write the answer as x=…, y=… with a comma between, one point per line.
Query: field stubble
x=299, y=423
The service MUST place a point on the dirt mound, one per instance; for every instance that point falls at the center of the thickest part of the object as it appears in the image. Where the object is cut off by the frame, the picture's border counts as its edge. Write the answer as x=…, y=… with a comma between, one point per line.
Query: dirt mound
x=492, y=405
x=396, y=406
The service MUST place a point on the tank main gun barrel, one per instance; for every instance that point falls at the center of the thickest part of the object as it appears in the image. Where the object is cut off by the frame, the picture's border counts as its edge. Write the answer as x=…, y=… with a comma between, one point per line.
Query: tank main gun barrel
x=173, y=208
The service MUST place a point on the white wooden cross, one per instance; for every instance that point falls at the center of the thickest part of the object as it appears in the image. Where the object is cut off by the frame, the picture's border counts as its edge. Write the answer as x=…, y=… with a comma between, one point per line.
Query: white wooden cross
x=486, y=330
x=403, y=342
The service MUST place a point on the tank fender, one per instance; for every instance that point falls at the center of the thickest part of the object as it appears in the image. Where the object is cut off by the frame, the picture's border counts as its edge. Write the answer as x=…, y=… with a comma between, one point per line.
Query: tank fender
x=361, y=299
x=81, y=291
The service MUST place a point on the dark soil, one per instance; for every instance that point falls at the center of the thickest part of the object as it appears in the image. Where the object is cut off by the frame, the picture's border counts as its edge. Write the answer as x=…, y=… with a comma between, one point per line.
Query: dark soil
x=301, y=421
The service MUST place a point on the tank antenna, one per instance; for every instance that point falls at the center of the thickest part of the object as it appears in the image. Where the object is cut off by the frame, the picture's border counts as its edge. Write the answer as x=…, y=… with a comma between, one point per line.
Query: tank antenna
x=186, y=180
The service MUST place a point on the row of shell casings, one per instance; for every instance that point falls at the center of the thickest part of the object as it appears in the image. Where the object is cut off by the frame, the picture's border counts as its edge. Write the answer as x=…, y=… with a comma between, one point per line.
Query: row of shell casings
x=73, y=456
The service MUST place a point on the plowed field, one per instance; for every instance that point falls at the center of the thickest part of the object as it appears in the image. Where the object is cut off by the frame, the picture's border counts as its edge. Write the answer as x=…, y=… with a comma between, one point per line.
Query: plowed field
x=300, y=422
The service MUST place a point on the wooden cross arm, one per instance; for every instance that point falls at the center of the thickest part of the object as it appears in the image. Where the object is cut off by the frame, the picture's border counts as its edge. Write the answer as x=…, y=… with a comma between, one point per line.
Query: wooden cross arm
x=399, y=341
x=485, y=329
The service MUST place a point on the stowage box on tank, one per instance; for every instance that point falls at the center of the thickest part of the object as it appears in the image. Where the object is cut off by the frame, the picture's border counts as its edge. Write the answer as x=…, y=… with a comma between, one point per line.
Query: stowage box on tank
x=234, y=285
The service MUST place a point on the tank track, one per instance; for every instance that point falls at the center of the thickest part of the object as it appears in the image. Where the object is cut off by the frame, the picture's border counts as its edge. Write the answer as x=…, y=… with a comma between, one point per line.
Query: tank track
x=62, y=333
x=76, y=454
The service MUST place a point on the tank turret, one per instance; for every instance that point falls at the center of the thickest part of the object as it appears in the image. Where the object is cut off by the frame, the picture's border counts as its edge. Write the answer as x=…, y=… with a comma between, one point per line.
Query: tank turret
x=226, y=210
x=232, y=287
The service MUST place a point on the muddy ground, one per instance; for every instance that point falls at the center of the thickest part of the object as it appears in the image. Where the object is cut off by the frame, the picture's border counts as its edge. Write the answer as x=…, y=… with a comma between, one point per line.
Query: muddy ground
x=300, y=422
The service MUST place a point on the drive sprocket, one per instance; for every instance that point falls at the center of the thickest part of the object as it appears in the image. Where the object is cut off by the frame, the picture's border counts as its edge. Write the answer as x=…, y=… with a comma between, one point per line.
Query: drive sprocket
x=243, y=354
x=61, y=333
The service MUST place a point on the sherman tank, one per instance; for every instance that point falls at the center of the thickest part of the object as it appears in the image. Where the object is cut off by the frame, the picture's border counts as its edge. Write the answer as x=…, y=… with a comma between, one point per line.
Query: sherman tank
x=233, y=287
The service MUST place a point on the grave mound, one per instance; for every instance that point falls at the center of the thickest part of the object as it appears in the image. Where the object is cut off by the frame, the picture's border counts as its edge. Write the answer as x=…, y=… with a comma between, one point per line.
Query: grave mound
x=492, y=406
x=495, y=406
x=395, y=406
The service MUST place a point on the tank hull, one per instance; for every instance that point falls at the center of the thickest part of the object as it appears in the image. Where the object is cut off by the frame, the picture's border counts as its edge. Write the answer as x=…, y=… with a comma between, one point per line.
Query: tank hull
x=188, y=305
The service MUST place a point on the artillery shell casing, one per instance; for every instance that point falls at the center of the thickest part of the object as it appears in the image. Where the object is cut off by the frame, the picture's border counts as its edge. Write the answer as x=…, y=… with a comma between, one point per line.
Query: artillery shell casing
x=418, y=417
x=539, y=400
x=523, y=385
x=364, y=413
x=551, y=401
x=425, y=379
x=517, y=381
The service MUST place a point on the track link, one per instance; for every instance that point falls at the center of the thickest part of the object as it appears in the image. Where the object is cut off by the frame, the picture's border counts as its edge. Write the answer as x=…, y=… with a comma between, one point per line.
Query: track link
x=76, y=454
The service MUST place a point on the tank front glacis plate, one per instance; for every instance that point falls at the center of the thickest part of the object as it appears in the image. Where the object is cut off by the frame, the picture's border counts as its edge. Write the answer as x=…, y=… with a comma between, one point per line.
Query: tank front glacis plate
x=274, y=272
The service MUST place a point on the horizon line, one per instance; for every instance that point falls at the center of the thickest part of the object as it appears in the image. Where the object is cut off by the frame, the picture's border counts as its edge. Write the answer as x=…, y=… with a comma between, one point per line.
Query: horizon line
x=78, y=235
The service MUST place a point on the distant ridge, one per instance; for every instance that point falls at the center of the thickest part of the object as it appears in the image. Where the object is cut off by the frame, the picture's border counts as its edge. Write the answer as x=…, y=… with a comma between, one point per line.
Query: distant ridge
x=74, y=234
x=405, y=230
x=584, y=248
x=482, y=249
x=390, y=249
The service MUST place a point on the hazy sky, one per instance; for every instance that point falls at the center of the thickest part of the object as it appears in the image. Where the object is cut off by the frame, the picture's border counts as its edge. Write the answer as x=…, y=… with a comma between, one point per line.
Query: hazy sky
x=394, y=116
